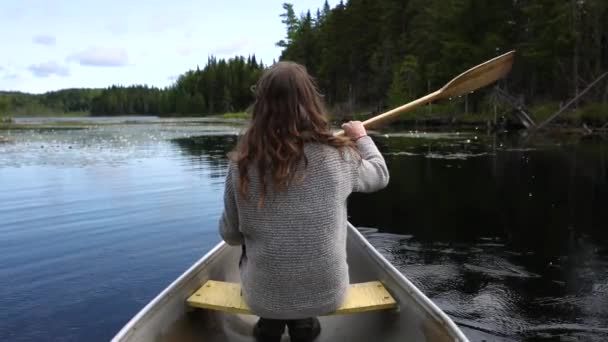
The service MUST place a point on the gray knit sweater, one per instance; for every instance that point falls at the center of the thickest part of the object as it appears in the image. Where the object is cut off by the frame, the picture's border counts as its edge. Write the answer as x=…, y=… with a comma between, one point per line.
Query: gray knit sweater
x=295, y=265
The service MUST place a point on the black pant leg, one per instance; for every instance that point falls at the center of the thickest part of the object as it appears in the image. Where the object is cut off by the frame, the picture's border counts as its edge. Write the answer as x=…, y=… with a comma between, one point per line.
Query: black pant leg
x=269, y=330
x=304, y=330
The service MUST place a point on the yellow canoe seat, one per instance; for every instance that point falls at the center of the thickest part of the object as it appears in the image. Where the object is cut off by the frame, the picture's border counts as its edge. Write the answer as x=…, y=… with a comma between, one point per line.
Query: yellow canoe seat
x=224, y=296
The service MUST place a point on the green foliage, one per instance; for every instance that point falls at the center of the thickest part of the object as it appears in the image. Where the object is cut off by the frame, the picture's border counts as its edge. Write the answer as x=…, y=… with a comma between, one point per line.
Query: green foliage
x=133, y=100
x=543, y=110
x=593, y=114
x=50, y=103
x=54, y=102
x=221, y=86
x=406, y=74
x=4, y=104
x=292, y=24
x=381, y=53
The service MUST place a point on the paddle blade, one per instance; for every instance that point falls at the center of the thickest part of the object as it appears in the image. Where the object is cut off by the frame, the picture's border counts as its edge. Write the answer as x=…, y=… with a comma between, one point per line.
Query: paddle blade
x=479, y=76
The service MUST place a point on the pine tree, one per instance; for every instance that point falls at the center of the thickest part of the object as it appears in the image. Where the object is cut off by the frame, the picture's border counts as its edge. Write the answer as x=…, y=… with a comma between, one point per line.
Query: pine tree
x=291, y=22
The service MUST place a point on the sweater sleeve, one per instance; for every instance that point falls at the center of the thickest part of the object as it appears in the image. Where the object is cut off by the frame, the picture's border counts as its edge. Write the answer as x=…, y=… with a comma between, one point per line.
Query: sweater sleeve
x=229, y=221
x=372, y=173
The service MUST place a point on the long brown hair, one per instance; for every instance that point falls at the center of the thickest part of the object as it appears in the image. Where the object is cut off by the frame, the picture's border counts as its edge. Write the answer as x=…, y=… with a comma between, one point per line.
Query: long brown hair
x=288, y=111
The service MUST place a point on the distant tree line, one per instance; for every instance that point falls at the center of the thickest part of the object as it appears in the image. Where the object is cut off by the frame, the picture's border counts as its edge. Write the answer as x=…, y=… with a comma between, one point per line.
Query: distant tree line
x=221, y=86
x=64, y=101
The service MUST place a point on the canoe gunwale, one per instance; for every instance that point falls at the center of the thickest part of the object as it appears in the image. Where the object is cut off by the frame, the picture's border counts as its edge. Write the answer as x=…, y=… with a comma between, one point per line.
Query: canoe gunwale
x=390, y=273
x=166, y=294
x=417, y=295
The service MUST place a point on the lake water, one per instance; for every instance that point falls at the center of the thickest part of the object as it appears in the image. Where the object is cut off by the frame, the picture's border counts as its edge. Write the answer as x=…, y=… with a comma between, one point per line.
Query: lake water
x=507, y=235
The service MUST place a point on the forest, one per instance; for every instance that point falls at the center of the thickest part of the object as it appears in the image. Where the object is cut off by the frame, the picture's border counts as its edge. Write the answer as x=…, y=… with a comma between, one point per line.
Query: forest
x=220, y=86
x=370, y=55
x=375, y=54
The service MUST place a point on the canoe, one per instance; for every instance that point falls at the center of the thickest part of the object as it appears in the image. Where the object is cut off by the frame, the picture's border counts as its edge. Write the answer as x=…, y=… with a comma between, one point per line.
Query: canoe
x=168, y=318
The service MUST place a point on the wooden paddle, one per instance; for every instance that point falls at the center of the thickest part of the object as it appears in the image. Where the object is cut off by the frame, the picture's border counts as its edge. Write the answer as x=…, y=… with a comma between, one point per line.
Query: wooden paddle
x=468, y=81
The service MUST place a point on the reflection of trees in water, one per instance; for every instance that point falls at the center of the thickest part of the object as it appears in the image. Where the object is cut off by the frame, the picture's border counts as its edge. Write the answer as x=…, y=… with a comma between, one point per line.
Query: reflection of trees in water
x=538, y=199
x=208, y=152
x=545, y=205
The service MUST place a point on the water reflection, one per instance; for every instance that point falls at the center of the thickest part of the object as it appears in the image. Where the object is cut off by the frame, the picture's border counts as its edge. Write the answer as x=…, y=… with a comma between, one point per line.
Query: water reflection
x=507, y=236
x=507, y=239
x=105, y=218
x=208, y=151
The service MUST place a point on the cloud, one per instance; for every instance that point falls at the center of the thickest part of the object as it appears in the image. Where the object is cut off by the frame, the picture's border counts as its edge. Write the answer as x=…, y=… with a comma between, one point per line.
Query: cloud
x=102, y=57
x=14, y=13
x=44, y=39
x=49, y=68
x=231, y=48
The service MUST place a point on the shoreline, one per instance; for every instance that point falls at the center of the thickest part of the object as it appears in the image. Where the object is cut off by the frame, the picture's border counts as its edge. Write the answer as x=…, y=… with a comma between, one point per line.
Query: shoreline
x=430, y=124
x=419, y=126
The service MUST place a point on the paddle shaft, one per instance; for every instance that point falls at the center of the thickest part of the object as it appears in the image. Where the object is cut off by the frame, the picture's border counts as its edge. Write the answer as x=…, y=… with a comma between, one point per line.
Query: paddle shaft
x=392, y=114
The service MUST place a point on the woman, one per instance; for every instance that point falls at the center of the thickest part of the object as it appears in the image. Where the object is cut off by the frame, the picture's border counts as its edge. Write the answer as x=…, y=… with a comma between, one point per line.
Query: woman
x=285, y=200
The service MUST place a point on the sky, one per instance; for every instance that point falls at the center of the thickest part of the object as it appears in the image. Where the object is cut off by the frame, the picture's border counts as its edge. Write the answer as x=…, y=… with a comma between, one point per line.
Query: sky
x=56, y=44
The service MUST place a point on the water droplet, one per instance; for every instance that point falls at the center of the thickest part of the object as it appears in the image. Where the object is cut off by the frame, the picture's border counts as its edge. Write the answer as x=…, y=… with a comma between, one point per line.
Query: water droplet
x=530, y=195
x=468, y=141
